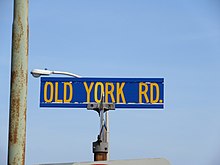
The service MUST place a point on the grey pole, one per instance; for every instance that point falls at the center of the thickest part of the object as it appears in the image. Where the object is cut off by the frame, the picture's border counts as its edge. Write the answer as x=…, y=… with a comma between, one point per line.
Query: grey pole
x=18, y=91
x=100, y=147
x=108, y=132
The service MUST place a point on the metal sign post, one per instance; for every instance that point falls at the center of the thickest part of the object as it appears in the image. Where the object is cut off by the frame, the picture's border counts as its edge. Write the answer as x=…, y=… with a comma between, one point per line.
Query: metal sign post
x=100, y=147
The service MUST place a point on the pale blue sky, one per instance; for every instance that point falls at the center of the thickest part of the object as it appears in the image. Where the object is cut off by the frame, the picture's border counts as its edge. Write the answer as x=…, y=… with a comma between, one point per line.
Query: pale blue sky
x=177, y=40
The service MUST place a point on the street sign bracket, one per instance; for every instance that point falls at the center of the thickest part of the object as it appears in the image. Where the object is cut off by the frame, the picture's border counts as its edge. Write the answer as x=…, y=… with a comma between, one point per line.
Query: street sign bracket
x=100, y=106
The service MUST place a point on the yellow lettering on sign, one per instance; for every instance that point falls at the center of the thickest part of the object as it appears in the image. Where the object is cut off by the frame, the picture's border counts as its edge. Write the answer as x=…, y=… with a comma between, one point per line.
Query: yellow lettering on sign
x=143, y=92
x=109, y=92
x=98, y=100
x=65, y=85
x=120, y=92
x=51, y=92
x=88, y=90
x=152, y=87
x=56, y=93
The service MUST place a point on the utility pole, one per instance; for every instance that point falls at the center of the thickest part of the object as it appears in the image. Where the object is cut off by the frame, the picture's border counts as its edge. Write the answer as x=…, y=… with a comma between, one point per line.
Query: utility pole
x=18, y=90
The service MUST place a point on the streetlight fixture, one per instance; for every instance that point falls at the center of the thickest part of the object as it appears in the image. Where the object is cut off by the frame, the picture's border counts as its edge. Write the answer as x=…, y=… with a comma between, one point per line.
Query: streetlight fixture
x=39, y=72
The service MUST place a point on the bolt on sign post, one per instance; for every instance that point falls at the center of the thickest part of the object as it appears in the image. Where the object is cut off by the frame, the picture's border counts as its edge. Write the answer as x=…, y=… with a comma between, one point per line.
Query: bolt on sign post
x=18, y=91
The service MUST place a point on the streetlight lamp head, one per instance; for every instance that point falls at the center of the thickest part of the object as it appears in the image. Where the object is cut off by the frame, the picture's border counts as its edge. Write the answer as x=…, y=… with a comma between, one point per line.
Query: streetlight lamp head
x=38, y=72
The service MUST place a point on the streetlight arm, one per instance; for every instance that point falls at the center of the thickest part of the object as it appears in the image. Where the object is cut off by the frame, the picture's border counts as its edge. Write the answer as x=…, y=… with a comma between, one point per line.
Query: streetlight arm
x=66, y=73
x=39, y=72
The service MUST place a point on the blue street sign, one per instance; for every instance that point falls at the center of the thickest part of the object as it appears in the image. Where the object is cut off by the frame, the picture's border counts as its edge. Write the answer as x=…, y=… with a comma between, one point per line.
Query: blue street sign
x=124, y=92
